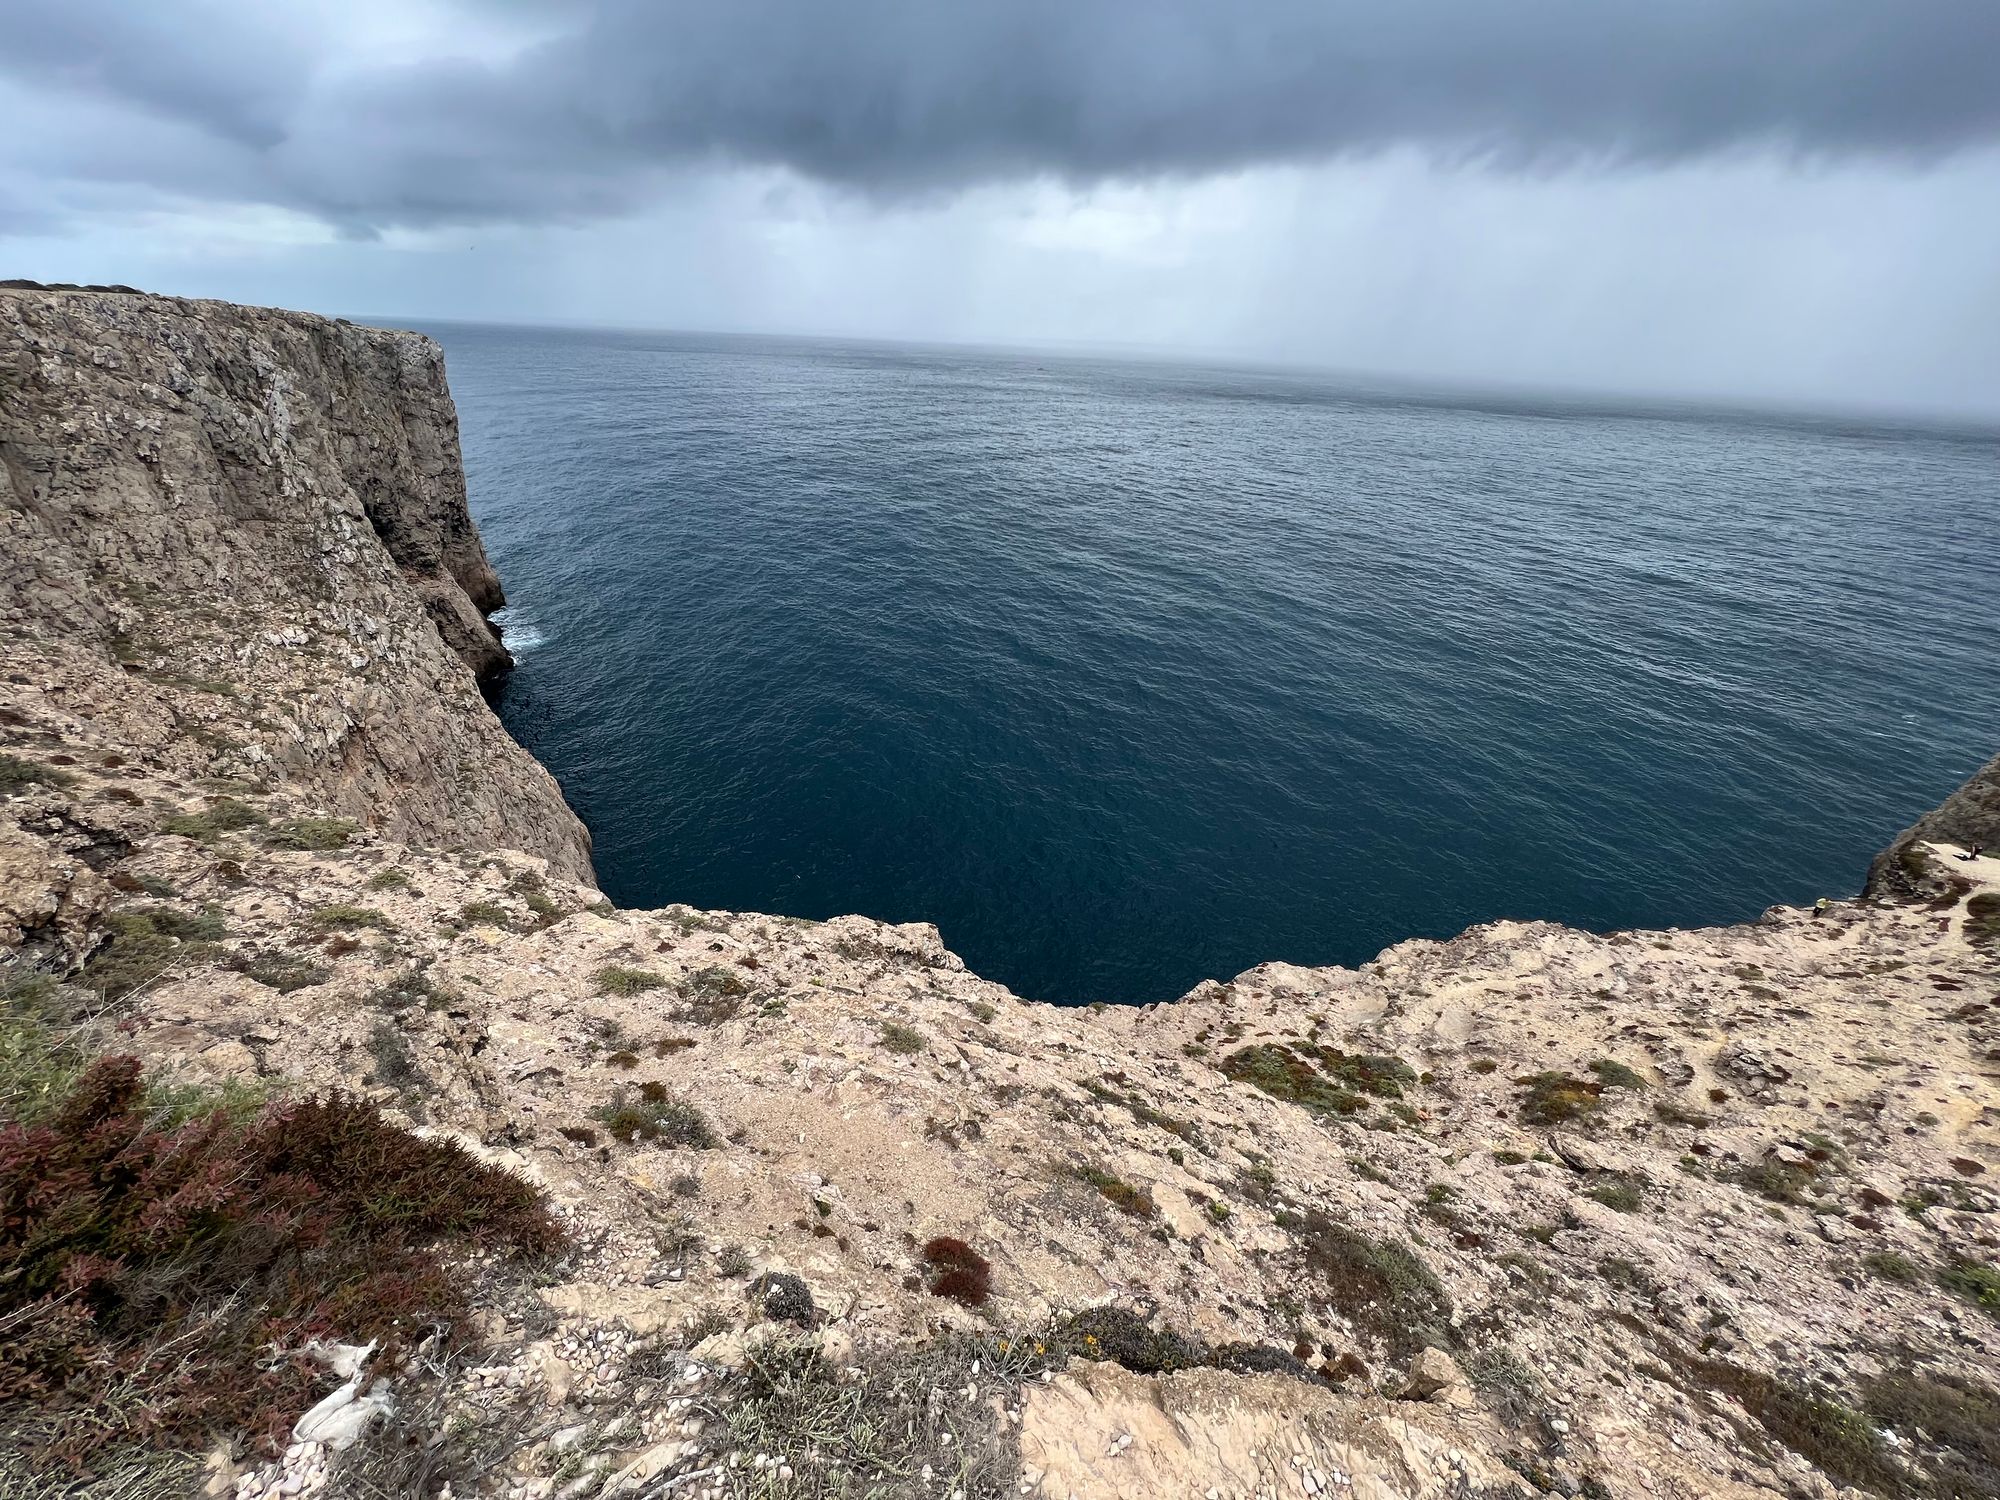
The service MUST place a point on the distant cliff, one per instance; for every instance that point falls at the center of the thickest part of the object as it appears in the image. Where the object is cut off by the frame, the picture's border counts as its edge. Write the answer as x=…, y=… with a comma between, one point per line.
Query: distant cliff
x=244, y=532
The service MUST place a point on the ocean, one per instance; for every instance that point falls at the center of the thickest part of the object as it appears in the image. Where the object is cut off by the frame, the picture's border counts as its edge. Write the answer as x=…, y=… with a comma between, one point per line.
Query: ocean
x=1128, y=674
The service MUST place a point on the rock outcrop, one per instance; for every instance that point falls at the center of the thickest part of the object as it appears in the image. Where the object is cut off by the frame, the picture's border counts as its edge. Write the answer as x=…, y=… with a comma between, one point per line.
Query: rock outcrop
x=1675, y=1214
x=1969, y=818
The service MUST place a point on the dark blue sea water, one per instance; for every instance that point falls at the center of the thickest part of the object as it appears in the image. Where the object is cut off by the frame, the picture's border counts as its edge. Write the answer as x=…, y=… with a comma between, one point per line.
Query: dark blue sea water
x=1126, y=674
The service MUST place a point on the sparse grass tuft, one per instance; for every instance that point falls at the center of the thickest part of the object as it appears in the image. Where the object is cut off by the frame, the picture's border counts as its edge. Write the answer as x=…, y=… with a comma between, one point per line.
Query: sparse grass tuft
x=1956, y=1421
x=889, y=1419
x=1836, y=1439
x=1673, y=1112
x=341, y=917
x=37, y=1065
x=145, y=944
x=713, y=995
x=282, y=972
x=395, y=1065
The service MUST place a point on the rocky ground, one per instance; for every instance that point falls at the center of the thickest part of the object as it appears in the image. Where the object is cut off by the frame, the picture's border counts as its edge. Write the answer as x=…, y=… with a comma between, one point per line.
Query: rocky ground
x=1684, y=1213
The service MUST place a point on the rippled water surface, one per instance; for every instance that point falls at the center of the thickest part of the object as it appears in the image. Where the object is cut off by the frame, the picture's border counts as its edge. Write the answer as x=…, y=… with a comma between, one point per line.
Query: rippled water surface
x=1129, y=674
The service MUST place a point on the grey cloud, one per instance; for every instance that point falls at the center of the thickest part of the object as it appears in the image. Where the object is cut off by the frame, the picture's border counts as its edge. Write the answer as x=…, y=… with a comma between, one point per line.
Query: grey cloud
x=232, y=69
x=899, y=97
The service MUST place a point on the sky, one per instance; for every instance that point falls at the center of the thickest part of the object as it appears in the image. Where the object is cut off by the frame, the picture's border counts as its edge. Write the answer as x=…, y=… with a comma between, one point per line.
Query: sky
x=1792, y=201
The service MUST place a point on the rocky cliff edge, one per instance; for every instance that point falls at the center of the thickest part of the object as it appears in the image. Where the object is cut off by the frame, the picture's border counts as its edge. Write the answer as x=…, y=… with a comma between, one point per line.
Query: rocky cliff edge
x=1646, y=1214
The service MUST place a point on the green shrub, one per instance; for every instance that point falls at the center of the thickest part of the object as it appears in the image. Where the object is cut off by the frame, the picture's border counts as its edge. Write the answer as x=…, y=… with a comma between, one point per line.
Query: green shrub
x=901, y=1039
x=1891, y=1266
x=1552, y=1098
x=657, y=1118
x=17, y=775
x=222, y=815
x=317, y=835
x=1615, y=1075
x=390, y=879
x=1624, y=1191
x=1120, y=1194
x=614, y=979
x=485, y=914
x=1780, y=1182
x=532, y=890
x=1123, y=1337
x=144, y=945
x=1283, y=1074
x=1976, y=1283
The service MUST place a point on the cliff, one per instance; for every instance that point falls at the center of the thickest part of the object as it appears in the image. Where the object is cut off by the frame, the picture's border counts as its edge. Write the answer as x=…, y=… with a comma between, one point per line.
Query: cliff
x=1673, y=1214
x=237, y=540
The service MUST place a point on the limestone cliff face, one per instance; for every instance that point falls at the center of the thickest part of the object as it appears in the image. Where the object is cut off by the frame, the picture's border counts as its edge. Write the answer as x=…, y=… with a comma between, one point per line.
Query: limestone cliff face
x=1969, y=816
x=244, y=533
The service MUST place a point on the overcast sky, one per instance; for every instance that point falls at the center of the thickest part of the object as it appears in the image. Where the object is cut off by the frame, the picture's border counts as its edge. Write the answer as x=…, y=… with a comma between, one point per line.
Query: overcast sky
x=1795, y=200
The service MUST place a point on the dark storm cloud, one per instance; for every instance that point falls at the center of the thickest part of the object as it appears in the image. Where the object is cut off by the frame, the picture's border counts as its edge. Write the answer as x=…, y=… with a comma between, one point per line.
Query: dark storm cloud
x=912, y=96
